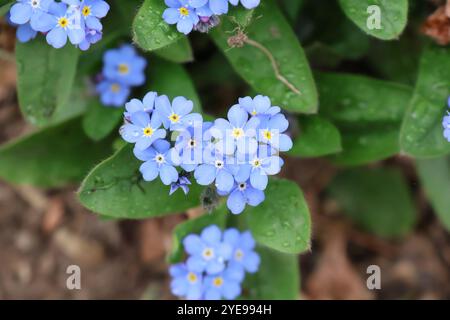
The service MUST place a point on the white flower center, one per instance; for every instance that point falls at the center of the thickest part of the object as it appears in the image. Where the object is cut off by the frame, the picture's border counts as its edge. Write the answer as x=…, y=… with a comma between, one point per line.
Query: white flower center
x=219, y=164
x=208, y=253
x=192, y=143
x=256, y=163
x=159, y=158
x=242, y=186
x=237, y=133
x=35, y=4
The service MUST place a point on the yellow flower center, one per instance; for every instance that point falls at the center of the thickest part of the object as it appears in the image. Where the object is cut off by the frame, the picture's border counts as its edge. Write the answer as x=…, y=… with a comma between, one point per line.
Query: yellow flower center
x=184, y=11
x=256, y=163
x=86, y=11
x=208, y=253
x=237, y=133
x=63, y=22
x=148, y=131
x=239, y=254
x=218, y=281
x=192, y=278
x=254, y=113
x=123, y=68
x=267, y=134
x=115, y=87
x=174, y=118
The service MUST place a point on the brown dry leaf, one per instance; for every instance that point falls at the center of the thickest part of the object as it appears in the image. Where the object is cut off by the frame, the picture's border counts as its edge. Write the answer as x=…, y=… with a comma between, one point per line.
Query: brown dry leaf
x=334, y=277
x=437, y=26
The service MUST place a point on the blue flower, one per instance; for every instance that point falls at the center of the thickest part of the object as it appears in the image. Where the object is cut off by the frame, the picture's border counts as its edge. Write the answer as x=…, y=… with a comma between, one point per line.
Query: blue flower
x=226, y=284
x=243, y=194
x=191, y=144
x=66, y=23
x=185, y=283
x=124, y=65
x=216, y=167
x=176, y=116
x=208, y=252
x=159, y=161
x=113, y=93
x=257, y=167
x=135, y=105
x=248, y=4
x=91, y=11
x=92, y=36
x=142, y=130
x=25, y=33
x=244, y=254
x=446, y=125
x=258, y=106
x=219, y=7
x=182, y=14
x=270, y=131
x=33, y=12
x=183, y=183
x=238, y=133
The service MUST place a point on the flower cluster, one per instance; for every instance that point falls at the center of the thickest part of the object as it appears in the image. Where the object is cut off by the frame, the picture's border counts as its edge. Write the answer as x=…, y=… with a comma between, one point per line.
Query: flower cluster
x=123, y=68
x=446, y=123
x=200, y=15
x=76, y=20
x=235, y=155
x=216, y=265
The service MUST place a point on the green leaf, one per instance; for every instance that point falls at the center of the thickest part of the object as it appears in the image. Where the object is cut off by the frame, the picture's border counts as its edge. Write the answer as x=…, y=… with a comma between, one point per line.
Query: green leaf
x=5, y=5
x=376, y=199
x=435, y=177
x=51, y=157
x=45, y=78
x=422, y=133
x=278, y=277
x=150, y=31
x=393, y=16
x=178, y=52
x=115, y=188
x=270, y=34
x=292, y=8
x=368, y=113
x=99, y=121
x=318, y=137
x=217, y=217
x=282, y=221
x=172, y=80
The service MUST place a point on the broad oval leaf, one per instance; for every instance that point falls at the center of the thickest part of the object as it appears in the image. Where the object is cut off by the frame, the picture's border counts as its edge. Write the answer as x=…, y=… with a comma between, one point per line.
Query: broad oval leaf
x=282, y=222
x=435, y=177
x=52, y=156
x=422, y=132
x=270, y=37
x=99, y=121
x=376, y=199
x=278, y=277
x=150, y=31
x=318, y=137
x=391, y=14
x=368, y=113
x=45, y=78
x=179, y=51
x=115, y=188
x=217, y=217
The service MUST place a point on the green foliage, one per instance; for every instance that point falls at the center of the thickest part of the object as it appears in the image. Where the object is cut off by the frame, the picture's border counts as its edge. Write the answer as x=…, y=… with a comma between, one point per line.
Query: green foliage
x=393, y=16
x=5, y=5
x=278, y=277
x=52, y=156
x=217, y=217
x=177, y=52
x=45, y=79
x=115, y=188
x=318, y=137
x=270, y=34
x=435, y=177
x=282, y=221
x=421, y=134
x=99, y=121
x=368, y=113
x=376, y=199
x=150, y=32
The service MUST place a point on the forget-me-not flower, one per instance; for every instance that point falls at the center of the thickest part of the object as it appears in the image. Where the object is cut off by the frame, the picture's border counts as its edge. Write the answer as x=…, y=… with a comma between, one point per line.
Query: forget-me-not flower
x=176, y=115
x=207, y=251
x=142, y=130
x=259, y=106
x=186, y=283
x=182, y=183
x=226, y=284
x=124, y=65
x=243, y=245
x=112, y=93
x=248, y=4
x=66, y=23
x=181, y=13
x=241, y=195
x=160, y=160
x=34, y=12
x=146, y=105
x=270, y=131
